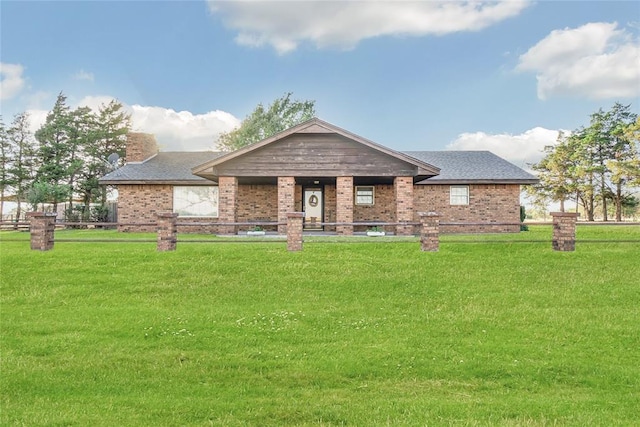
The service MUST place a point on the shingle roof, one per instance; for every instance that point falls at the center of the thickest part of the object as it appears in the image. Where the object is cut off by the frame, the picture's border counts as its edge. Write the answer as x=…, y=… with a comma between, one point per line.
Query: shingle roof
x=166, y=167
x=455, y=167
x=471, y=166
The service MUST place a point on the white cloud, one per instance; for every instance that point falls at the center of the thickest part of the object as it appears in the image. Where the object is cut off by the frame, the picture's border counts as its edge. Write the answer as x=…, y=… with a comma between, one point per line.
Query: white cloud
x=596, y=60
x=174, y=131
x=182, y=130
x=83, y=75
x=343, y=24
x=522, y=150
x=11, y=80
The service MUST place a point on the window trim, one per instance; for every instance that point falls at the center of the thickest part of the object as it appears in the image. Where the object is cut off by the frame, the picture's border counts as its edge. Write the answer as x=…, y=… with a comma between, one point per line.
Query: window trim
x=216, y=203
x=373, y=195
x=456, y=201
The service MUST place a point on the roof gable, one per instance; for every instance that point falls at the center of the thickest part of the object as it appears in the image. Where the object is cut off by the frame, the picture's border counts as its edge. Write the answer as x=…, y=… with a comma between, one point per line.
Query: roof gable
x=302, y=149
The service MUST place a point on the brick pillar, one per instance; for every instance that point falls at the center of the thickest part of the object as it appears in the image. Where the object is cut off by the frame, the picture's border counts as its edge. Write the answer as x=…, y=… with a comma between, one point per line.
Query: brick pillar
x=429, y=235
x=41, y=226
x=286, y=194
x=564, y=231
x=344, y=204
x=228, y=202
x=403, y=186
x=167, y=231
x=294, y=231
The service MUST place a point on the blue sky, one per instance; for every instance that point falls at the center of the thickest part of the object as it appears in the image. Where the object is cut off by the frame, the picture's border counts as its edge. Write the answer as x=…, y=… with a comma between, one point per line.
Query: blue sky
x=425, y=75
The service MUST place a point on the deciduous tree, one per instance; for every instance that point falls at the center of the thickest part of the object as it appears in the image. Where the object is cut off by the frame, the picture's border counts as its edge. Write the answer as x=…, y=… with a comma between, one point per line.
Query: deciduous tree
x=599, y=163
x=280, y=115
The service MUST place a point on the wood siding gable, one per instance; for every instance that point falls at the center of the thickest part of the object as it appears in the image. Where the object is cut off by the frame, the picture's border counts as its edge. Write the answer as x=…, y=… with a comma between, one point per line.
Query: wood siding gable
x=315, y=149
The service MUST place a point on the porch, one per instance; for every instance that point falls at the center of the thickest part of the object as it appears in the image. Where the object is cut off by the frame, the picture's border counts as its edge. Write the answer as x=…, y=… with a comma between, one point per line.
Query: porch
x=329, y=204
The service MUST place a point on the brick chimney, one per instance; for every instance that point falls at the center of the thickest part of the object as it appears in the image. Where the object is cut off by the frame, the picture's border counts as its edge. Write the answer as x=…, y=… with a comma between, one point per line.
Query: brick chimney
x=140, y=147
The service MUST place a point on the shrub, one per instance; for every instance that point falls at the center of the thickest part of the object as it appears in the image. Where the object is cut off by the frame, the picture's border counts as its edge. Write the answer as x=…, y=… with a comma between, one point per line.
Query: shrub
x=523, y=216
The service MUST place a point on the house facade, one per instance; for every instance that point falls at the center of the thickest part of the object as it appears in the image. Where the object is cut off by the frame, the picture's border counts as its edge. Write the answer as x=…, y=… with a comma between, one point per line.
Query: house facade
x=330, y=174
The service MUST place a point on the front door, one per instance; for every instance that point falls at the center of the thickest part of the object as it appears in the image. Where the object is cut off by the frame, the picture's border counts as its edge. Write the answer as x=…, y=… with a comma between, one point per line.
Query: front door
x=313, y=208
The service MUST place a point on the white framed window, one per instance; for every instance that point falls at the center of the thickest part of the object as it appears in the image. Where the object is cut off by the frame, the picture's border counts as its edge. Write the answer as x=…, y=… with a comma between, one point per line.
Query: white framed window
x=195, y=201
x=459, y=195
x=365, y=195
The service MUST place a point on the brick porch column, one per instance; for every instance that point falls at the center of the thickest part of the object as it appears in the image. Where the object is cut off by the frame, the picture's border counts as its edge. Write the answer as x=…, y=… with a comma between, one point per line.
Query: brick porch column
x=429, y=234
x=41, y=226
x=344, y=204
x=286, y=194
x=564, y=231
x=294, y=231
x=403, y=186
x=228, y=205
x=167, y=231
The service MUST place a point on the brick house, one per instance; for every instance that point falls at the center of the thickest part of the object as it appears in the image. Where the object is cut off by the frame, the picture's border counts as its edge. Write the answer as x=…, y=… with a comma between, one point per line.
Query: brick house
x=326, y=172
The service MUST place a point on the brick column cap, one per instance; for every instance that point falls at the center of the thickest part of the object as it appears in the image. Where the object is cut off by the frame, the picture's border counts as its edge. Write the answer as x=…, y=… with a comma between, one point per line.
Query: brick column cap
x=166, y=214
x=428, y=214
x=565, y=214
x=295, y=214
x=41, y=214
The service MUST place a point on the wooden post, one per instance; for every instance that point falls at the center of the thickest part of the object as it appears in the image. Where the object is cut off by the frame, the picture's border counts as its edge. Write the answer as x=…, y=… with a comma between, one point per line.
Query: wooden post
x=564, y=231
x=41, y=226
x=294, y=231
x=167, y=231
x=429, y=234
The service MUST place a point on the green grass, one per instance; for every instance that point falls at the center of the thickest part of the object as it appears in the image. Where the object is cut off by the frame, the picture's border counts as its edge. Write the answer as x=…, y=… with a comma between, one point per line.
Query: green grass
x=361, y=333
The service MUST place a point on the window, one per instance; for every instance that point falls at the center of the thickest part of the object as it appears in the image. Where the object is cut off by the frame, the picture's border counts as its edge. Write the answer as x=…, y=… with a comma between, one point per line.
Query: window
x=459, y=195
x=364, y=195
x=195, y=201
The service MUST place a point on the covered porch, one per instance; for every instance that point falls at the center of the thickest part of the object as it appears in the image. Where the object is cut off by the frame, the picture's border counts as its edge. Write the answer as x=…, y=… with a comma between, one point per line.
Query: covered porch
x=331, y=175
x=342, y=199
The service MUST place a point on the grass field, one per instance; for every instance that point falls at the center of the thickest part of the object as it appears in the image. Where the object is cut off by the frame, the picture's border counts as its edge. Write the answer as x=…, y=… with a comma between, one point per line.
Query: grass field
x=364, y=333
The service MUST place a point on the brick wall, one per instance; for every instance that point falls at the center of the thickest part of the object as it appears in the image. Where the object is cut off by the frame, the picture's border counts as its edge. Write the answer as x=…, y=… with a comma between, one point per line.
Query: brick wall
x=140, y=146
x=329, y=206
x=140, y=203
x=257, y=203
x=487, y=203
x=383, y=209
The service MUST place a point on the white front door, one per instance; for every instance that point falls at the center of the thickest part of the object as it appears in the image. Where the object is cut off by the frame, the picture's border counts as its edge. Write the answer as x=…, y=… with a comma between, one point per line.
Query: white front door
x=313, y=208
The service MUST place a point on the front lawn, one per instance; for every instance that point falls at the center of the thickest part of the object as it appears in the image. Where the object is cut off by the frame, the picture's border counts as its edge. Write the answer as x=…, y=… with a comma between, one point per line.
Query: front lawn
x=360, y=333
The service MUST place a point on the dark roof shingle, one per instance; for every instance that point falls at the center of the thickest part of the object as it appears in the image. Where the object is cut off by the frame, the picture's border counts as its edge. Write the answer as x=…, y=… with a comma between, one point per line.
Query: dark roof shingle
x=471, y=166
x=455, y=167
x=166, y=167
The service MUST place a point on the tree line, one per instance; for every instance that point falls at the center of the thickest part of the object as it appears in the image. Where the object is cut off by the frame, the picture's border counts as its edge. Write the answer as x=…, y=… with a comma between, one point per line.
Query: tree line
x=597, y=166
x=62, y=161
